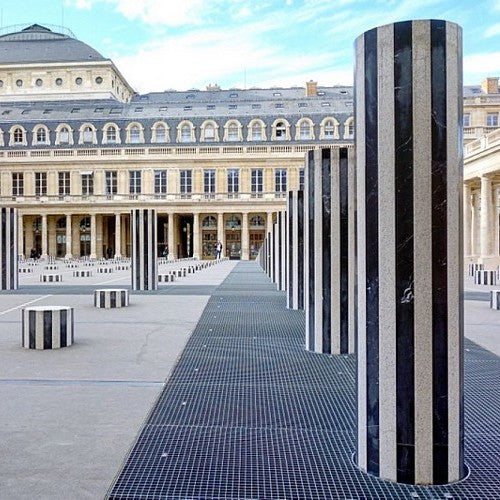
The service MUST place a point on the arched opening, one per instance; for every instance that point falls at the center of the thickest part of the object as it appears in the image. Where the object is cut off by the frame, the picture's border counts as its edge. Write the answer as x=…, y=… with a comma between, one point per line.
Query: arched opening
x=85, y=236
x=208, y=237
x=233, y=237
x=61, y=237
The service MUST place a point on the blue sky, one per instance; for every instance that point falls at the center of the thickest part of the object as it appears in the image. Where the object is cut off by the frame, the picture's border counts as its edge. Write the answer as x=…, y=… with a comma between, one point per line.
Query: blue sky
x=181, y=44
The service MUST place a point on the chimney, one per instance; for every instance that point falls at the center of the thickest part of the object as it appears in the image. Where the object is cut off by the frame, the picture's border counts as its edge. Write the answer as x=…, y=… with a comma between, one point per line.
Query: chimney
x=490, y=85
x=213, y=87
x=311, y=88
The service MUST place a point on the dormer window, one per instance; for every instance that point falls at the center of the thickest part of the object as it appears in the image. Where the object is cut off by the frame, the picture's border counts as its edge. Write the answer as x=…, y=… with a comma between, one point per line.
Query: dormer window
x=87, y=135
x=111, y=135
x=64, y=136
x=232, y=132
x=186, y=133
x=280, y=131
x=209, y=133
x=18, y=136
x=161, y=134
x=256, y=132
x=41, y=136
x=135, y=134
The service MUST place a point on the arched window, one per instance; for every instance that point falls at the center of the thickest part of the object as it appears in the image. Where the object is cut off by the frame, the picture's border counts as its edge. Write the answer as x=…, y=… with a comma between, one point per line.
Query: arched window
x=185, y=133
x=111, y=135
x=61, y=223
x=37, y=225
x=305, y=130
x=233, y=222
x=209, y=222
x=257, y=221
x=349, y=128
x=256, y=132
x=209, y=133
x=41, y=136
x=329, y=129
x=232, y=132
x=64, y=135
x=18, y=135
x=161, y=134
x=280, y=131
x=135, y=134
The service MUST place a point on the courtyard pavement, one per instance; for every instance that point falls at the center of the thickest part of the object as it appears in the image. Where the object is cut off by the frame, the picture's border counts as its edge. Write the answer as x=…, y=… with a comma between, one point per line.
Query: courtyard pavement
x=69, y=417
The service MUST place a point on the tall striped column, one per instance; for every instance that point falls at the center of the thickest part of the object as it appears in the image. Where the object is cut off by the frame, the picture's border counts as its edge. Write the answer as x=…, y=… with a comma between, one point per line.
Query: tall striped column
x=408, y=88
x=281, y=250
x=8, y=248
x=295, y=249
x=329, y=251
x=144, y=260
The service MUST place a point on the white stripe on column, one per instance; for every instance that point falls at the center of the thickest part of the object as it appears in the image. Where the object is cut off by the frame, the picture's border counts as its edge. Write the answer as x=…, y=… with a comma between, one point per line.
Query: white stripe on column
x=39, y=330
x=335, y=245
x=318, y=254
x=351, y=214
x=454, y=243
x=361, y=264
x=56, y=329
x=387, y=254
x=422, y=248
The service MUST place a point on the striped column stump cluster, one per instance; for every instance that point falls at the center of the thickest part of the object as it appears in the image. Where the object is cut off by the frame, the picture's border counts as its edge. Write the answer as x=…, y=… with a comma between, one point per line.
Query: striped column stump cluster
x=89, y=264
x=25, y=269
x=475, y=267
x=122, y=267
x=105, y=270
x=295, y=250
x=47, y=327
x=144, y=259
x=482, y=277
x=408, y=94
x=111, y=298
x=495, y=299
x=51, y=267
x=71, y=266
x=329, y=246
x=8, y=249
x=50, y=278
x=166, y=278
x=82, y=273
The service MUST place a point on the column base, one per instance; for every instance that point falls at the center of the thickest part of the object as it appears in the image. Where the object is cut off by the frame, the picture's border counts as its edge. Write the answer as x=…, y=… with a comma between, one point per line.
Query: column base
x=68, y=256
x=118, y=256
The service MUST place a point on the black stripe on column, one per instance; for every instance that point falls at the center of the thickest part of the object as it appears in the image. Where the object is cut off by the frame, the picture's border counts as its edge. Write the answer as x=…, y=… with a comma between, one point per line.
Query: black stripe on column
x=344, y=250
x=279, y=243
x=439, y=251
x=122, y=299
x=372, y=263
x=309, y=287
x=47, y=329
x=32, y=329
x=112, y=299
x=326, y=250
x=63, y=332
x=3, y=255
x=300, y=248
x=13, y=250
x=404, y=261
x=145, y=271
x=135, y=243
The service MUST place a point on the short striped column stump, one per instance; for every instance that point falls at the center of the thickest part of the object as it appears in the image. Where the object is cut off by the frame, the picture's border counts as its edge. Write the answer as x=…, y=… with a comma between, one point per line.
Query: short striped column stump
x=495, y=299
x=111, y=298
x=180, y=272
x=166, y=278
x=485, y=278
x=475, y=267
x=51, y=267
x=50, y=278
x=71, y=266
x=89, y=264
x=25, y=269
x=122, y=267
x=104, y=270
x=82, y=273
x=47, y=327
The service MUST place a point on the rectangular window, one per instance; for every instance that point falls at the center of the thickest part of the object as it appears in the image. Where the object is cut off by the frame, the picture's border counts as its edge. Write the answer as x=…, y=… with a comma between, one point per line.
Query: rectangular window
x=111, y=182
x=40, y=183
x=209, y=181
x=17, y=184
x=135, y=182
x=492, y=120
x=186, y=180
x=64, y=183
x=87, y=184
x=280, y=180
x=233, y=181
x=301, y=178
x=257, y=176
x=160, y=182
x=466, y=119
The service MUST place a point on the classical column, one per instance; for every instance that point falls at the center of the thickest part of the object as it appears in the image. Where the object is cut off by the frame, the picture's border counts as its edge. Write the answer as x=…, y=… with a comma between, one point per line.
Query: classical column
x=467, y=221
x=93, y=236
x=408, y=94
x=143, y=222
x=269, y=223
x=196, y=236
x=69, y=238
x=172, y=251
x=118, y=235
x=245, y=237
x=485, y=217
x=220, y=232
x=475, y=239
x=45, y=231
x=8, y=248
x=20, y=237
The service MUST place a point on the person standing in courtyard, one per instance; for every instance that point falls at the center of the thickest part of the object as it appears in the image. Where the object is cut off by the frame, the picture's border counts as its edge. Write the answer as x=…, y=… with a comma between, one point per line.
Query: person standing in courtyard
x=218, y=250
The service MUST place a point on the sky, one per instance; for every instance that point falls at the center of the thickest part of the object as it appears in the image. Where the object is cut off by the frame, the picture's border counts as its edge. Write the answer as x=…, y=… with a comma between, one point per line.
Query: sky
x=185, y=44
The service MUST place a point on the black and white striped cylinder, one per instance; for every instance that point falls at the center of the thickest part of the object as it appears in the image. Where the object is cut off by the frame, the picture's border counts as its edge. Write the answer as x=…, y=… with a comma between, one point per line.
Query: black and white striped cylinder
x=280, y=250
x=82, y=273
x=8, y=248
x=47, y=327
x=111, y=298
x=475, y=267
x=482, y=277
x=295, y=250
x=408, y=95
x=105, y=270
x=50, y=278
x=329, y=251
x=495, y=299
x=25, y=269
x=144, y=259
x=166, y=278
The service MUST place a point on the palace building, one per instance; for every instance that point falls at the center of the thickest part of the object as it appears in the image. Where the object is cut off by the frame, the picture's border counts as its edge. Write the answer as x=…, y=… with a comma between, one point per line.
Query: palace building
x=79, y=149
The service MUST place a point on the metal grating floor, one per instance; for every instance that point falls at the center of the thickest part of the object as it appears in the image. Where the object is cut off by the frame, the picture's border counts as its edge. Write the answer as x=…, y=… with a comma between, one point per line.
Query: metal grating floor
x=249, y=414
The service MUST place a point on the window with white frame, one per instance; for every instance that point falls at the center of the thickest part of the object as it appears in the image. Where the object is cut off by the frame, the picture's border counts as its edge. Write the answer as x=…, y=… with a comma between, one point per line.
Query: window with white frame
x=280, y=131
x=186, y=181
x=64, y=135
x=41, y=136
x=256, y=132
x=111, y=135
x=64, y=183
x=257, y=178
x=301, y=178
x=233, y=180
x=185, y=133
x=18, y=135
x=280, y=180
x=40, y=183
x=135, y=134
x=232, y=132
x=87, y=184
x=17, y=184
x=305, y=130
x=209, y=181
x=135, y=182
x=351, y=129
x=88, y=135
x=329, y=129
x=492, y=120
x=209, y=132
x=466, y=120
x=160, y=182
x=111, y=182
x=161, y=134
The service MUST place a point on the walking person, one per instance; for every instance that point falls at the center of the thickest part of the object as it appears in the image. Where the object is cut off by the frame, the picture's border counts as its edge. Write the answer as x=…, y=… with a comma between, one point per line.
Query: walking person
x=218, y=250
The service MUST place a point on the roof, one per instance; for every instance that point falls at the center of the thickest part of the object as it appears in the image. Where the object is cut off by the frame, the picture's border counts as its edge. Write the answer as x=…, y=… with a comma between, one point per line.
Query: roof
x=39, y=44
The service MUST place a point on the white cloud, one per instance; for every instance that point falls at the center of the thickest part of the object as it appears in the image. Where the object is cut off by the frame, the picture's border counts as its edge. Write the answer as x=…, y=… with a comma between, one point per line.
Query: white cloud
x=493, y=30
x=479, y=66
